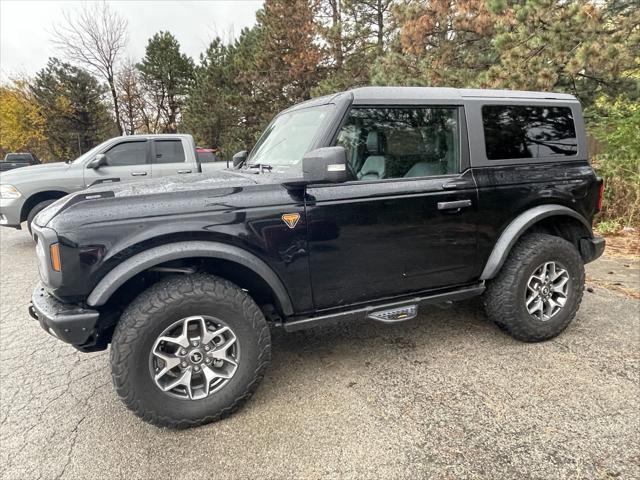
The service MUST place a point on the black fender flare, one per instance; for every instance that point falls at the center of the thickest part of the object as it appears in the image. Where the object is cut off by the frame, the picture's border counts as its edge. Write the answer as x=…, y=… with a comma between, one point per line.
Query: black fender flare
x=517, y=227
x=177, y=250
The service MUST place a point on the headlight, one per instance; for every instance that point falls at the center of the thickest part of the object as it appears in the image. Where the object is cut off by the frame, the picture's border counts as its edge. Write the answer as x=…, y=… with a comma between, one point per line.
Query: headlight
x=9, y=191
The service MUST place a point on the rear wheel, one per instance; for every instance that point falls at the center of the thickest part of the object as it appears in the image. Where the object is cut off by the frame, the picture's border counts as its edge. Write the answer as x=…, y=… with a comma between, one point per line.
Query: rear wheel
x=189, y=350
x=538, y=290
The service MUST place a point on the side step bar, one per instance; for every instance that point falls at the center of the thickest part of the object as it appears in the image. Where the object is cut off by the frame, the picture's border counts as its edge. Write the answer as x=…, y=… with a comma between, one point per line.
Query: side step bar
x=388, y=313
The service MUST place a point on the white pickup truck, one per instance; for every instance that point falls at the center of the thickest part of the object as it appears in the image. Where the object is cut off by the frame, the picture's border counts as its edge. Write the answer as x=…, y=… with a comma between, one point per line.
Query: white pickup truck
x=26, y=191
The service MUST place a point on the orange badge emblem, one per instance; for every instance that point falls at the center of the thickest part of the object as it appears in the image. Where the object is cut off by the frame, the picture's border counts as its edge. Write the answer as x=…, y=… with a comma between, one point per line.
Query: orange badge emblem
x=291, y=219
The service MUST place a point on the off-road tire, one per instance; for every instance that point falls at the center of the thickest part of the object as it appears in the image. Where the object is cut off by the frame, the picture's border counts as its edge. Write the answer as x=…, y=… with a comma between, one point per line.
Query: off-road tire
x=158, y=307
x=504, y=299
x=36, y=210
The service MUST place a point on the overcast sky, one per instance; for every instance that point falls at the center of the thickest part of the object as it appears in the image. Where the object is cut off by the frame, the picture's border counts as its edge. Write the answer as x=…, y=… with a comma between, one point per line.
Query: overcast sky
x=26, y=26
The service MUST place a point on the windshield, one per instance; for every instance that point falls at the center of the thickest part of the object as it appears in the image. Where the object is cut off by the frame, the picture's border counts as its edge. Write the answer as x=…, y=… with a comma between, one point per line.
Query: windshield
x=288, y=137
x=88, y=154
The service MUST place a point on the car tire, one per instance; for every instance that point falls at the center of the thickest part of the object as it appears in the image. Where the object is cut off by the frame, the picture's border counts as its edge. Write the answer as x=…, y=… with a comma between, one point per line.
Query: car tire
x=523, y=299
x=144, y=323
x=35, y=211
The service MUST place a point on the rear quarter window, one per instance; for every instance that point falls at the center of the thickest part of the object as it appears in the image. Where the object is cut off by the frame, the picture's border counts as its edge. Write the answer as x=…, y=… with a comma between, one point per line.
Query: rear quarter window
x=527, y=131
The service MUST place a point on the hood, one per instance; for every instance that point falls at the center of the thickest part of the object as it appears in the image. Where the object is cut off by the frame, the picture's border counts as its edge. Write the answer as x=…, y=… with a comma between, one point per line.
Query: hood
x=25, y=174
x=169, y=195
x=176, y=184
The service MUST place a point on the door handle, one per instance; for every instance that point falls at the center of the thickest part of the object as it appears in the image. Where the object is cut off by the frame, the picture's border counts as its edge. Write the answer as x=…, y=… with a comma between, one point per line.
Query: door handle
x=455, y=205
x=184, y=171
x=138, y=174
x=456, y=185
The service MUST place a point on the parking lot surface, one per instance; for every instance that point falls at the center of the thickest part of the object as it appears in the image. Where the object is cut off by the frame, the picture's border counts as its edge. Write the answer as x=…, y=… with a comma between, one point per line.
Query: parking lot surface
x=446, y=395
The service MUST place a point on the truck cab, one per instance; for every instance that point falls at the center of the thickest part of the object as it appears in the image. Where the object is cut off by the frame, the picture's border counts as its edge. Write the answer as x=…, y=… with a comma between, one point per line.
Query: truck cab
x=24, y=193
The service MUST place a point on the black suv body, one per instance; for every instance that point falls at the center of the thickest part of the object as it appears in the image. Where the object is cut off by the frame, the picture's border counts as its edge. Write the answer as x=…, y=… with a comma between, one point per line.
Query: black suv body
x=365, y=204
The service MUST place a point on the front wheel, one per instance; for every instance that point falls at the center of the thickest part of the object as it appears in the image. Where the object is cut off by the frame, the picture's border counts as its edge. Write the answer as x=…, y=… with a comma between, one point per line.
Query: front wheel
x=538, y=290
x=35, y=211
x=189, y=350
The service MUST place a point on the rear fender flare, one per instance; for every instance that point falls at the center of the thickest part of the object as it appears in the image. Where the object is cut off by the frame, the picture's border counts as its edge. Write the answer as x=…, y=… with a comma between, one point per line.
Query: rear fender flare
x=175, y=251
x=517, y=227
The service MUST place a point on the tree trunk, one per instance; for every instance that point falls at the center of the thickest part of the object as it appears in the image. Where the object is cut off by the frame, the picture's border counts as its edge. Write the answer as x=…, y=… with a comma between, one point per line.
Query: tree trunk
x=337, y=24
x=380, y=28
x=114, y=96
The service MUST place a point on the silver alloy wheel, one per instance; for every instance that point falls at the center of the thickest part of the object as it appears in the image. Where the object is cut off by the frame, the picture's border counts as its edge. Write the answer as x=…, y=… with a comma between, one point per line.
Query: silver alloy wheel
x=194, y=357
x=547, y=291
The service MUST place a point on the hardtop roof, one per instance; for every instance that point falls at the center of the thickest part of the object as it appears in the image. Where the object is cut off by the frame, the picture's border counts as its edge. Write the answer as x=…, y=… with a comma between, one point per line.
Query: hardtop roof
x=393, y=94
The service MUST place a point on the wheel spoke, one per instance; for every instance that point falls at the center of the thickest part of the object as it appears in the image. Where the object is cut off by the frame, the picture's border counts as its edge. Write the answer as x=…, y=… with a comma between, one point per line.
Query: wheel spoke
x=183, y=380
x=208, y=336
x=170, y=362
x=559, y=286
x=209, y=376
x=536, y=307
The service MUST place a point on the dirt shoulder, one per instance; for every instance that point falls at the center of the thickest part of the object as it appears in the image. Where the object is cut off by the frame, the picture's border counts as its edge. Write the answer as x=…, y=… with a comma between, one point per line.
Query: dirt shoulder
x=619, y=268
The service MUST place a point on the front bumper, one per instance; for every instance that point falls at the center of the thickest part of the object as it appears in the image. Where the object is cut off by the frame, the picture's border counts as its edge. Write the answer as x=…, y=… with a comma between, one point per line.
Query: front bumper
x=70, y=323
x=592, y=248
x=10, y=212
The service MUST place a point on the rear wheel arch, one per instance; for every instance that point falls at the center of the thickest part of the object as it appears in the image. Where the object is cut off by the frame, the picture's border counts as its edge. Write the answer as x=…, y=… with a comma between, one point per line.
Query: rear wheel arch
x=227, y=261
x=552, y=219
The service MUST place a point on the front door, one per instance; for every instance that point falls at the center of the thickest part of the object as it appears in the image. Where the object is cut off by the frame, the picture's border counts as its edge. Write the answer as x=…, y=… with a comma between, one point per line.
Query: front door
x=126, y=161
x=393, y=229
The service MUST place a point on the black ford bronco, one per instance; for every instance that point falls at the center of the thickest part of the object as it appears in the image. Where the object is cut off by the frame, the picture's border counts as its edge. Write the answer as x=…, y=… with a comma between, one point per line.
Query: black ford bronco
x=366, y=204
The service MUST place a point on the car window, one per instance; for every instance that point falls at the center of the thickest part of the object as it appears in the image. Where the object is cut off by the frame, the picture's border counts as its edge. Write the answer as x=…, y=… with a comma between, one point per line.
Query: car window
x=518, y=131
x=289, y=136
x=18, y=157
x=207, y=156
x=127, y=153
x=169, y=151
x=406, y=142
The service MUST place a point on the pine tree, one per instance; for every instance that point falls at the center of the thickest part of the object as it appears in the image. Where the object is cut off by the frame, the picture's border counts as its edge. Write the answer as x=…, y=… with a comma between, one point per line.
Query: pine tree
x=74, y=108
x=167, y=74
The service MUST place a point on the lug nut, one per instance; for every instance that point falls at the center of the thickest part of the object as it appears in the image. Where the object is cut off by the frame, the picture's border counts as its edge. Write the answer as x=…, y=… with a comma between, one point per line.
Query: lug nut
x=194, y=343
x=207, y=361
x=196, y=368
x=183, y=352
x=183, y=364
x=207, y=348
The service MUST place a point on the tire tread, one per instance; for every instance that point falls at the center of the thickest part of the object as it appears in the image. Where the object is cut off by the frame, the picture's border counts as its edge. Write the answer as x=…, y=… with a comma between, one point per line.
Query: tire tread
x=135, y=319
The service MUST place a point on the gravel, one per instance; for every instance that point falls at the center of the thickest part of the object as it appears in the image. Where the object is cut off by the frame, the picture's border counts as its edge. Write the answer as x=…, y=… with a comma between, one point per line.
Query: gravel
x=446, y=395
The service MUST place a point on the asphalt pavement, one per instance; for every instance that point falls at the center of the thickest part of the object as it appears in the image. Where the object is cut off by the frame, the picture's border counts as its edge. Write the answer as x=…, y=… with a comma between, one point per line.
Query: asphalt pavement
x=446, y=395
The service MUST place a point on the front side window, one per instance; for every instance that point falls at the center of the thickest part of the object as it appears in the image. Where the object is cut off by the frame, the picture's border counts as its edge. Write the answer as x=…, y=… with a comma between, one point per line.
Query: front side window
x=169, y=151
x=289, y=137
x=519, y=131
x=405, y=142
x=127, y=153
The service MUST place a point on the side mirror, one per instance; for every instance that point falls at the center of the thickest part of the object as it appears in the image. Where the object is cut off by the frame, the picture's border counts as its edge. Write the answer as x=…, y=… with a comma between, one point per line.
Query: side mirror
x=325, y=165
x=322, y=165
x=239, y=159
x=98, y=161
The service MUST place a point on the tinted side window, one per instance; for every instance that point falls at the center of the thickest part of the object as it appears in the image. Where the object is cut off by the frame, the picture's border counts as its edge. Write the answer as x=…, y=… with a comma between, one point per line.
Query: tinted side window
x=514, y=131
x=169, y=151
x=401, y=142
x=127, y=153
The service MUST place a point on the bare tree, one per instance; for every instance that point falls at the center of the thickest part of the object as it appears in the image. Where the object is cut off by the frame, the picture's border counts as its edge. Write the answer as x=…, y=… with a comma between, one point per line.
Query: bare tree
x=140, y=110
x=95, y=37
x=130, y=97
